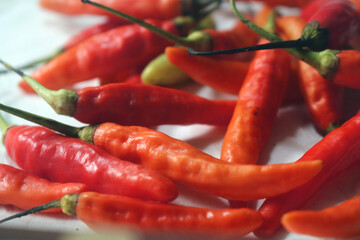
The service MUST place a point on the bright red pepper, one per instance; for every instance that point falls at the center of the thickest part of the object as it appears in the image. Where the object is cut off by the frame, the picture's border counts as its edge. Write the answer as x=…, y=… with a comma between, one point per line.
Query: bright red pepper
x=58, y=158
x=258, y=102
x=24, y=190
x=101, y=211
x=103, y=54
x=324, y=100
x=339, y=150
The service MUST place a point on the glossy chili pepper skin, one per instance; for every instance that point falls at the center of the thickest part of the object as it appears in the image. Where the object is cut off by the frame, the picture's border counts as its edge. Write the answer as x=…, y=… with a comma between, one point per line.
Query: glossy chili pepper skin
x=347, y=73
x=339, y=150
x=258, y=102
x=58, y=158
x=184, y=163
x=107, y=53
x=341, y=221
x=324, y=100
x=99, y=210
x=24, y=190
x=338, y=17
x=141, y=9
x=138, y=104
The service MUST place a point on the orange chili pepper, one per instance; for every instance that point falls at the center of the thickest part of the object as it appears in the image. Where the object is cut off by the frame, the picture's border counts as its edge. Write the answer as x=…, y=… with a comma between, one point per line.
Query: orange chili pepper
x=24, y=190
x=258, y=101
x=341, y=221
x=185, y=163
x=101, y=211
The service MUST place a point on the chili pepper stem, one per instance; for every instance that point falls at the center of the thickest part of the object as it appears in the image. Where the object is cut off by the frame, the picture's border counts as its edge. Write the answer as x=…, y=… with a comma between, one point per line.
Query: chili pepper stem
x=194, y=40
x=46, y=122
x=63, y=101
x=325, y=62
x=67, y=204
x=3, y=124
x=38, y=61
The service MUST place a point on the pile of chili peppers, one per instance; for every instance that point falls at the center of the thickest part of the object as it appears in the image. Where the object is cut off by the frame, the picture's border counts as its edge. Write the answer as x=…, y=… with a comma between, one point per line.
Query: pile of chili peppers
x=165, y=67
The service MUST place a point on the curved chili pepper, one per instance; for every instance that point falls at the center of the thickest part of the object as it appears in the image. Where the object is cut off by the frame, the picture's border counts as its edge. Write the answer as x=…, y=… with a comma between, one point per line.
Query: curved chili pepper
x=110, y=211
x=324, y=99
x=58, y=158
x=341, y=221
x=184, y=163
x=339, y=150
x=103, y=54
x=24, y=190
x=258, y=101
x=144, y=9
x=134, y=104
x=238, y=36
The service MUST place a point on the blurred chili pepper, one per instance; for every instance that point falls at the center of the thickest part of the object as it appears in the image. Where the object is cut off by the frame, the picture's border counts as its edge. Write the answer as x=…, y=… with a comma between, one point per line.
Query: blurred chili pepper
x=78, y=38
x=55, y=157
x=339, y=150
x=324, y=99
x=185, y=163
x=24, y=190
x=292, y=3
x=121, y=48
x=110, y=211
x=134, y=104
x=144, y=9
x=205, y=40
x=340, y=67
x=258, y=102
x=341, y=221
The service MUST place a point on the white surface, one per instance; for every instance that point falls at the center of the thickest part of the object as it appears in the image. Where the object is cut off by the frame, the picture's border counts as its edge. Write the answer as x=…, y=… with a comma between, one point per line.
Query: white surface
x=28, y=32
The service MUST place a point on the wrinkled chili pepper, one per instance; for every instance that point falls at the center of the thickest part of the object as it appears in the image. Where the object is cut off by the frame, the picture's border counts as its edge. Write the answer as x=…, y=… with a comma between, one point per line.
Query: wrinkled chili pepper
x=324, y=99
x=339, y=150
x=55, y=157
x=184, y=163
x=341, y=221
x=209, y=39
x=258, y=102
x=134, y=104
x=121, y=48
x=101, y=211
x=24, y=190
x=144, y=9
x=339, y=67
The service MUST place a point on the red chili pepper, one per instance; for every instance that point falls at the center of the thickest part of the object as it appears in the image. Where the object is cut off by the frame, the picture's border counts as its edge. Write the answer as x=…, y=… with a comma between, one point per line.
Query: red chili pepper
x=324, y=100
x=103, y=54
x=101, y=211
x=341, y=221
x=185, y=163
x=24, y=190
x=258, y=101
x=339, y=150
x=62, y=159
x=134, y=104
x=144, y=9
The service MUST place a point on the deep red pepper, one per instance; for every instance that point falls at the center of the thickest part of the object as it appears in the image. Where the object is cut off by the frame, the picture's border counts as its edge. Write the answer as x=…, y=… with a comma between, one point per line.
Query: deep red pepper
x=101, y=211
x=62, y=159
x=24, y=190
x=340, y=149
x=134, y=104
x=103, y=54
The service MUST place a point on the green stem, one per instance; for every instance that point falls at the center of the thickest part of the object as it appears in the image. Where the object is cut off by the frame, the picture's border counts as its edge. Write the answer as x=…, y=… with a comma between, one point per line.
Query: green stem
x=3, y=124
x=46, y=122
x=38, y=61
x=169, y=36
x=63, y=101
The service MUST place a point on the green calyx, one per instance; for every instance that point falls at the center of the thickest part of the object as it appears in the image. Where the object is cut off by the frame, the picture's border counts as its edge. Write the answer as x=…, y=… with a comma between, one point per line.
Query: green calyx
x=86, y=133
x=315, y=37
x=68, y=204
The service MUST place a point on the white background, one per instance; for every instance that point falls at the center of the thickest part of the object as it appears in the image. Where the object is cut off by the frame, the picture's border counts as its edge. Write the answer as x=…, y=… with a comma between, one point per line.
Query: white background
x=29, y=32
